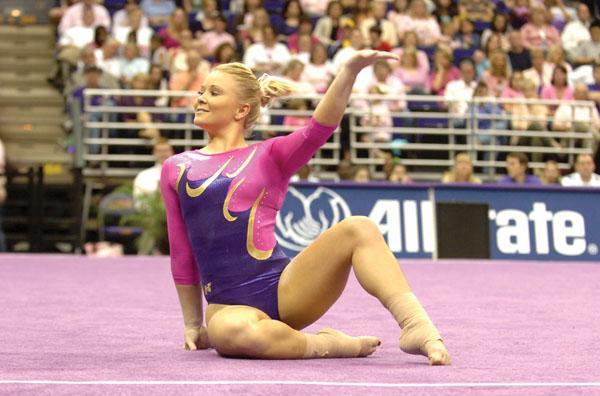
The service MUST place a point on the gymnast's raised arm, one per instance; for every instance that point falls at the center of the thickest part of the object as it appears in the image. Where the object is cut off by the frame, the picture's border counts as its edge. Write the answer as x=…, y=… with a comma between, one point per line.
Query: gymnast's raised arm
x=330, y=109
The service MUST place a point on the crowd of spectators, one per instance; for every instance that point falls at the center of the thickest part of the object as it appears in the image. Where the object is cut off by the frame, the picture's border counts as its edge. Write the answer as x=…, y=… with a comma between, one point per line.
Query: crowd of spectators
x=453, y=49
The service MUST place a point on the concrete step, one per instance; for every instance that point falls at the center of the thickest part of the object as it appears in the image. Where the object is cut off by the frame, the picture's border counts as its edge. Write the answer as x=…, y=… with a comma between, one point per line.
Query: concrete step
x=26, y=48
x=32, y=153
x=31, y=131
x=16, y=64
x=24, y=96
x=31, y=110
x=7, y=119
x=39, y=32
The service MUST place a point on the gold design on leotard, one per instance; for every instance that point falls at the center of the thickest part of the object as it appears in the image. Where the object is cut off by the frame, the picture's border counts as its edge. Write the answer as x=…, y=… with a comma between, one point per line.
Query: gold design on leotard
x=226, y=213
x=196, y=192
x=246, y=162
x=181, y=172
x=253, y=250
x=208, y=288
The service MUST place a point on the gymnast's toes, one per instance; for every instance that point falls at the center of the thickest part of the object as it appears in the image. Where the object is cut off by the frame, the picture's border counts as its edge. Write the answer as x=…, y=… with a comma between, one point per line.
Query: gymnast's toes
x=437, y=353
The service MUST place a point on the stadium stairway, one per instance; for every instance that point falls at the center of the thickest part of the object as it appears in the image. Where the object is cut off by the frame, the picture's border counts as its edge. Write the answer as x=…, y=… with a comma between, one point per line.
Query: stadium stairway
x=41, y=212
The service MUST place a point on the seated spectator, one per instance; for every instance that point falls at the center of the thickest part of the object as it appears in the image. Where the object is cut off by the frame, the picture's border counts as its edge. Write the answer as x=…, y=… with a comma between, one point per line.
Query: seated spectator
x=458, y=92
x=319, y=71
x=422, y=23
x=172, y=33
x=212, y=39
x=476, y=10
x=461, y=171
x=292, y=14
x=531, y=116
x=107, y=58
x=414, y=76
x=500, y=28
x=594, y=88
x=520, y=58
x=489, y=116
x=588, y=51
x=294, y=72
x=411, y=40
x=449, y=38
x=514, y=90
x=253, y=32
x=541, y=71
x=2, y=194
x=305, y=174
x=577, y=31
x=314, y=7
x=157, y=81
x=377, y=43
x=158, y=11
x=516, y=169
x=131, y=64
x=146, y=182
x=482, y=57
x=178, y=54
x=577, y=117
x=345, y=170
x=380, y=76
x=73, y=15
x=496, y=77
x=188, y=80
x=467, y=36
x=80, y=35
x=443, y=71
x=101, y=36
x=584, y=175
x=398, y=15
x=268, y=56
x=386, y=29
x=122, y=18
x=142, y=34
x=550, y=174
x=205, y=19
x=139, y=82
x=538, y=33
x=518, y=13
x=446, y=11
x=296, y=120
x=558, y=88
x=559, y=13
x=556, y=57
x=158, y=53
x=396, y=172
x=91, y=76
x=328, y=26
x=361, y=174
x=225, y=53
x=305, y=28
x=76, y=78
x=343, y=54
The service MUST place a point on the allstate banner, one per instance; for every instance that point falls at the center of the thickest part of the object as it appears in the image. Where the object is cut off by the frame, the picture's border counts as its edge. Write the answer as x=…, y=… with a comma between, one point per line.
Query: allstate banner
x=525, y=223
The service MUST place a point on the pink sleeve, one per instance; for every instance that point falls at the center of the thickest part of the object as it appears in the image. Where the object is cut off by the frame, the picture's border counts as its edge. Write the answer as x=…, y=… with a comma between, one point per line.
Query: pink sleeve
x=293, y=151
x=183, y=264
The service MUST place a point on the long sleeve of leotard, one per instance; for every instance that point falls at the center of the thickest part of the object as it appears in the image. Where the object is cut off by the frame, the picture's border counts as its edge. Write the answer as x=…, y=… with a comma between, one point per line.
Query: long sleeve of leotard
x=183, y=264
x=293, y=151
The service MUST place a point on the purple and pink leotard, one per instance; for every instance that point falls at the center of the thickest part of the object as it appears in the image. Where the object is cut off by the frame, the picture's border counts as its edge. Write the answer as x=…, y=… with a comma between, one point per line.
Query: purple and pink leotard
x=221, y=211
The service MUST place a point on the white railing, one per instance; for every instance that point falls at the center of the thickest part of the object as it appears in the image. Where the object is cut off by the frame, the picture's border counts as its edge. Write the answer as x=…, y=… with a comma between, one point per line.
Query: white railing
x=423, y=134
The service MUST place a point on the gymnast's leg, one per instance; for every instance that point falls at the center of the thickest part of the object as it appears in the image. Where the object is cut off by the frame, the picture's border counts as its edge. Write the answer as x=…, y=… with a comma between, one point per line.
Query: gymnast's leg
x=315, y=279
x=242, y=331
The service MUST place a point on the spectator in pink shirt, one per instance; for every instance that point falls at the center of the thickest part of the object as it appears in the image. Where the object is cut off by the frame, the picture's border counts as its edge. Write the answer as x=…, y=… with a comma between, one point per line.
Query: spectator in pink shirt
x=558, y=88
x=73, y=16
x=305, y=28
x=496, y=77
x=538, y=33
x=171, y=34
x=212, y=39
x=423, y=23
x=444, y=71
x=414, y=76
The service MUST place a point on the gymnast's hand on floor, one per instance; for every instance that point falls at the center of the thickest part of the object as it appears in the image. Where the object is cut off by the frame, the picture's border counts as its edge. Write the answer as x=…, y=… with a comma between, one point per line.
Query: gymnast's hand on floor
x=195, y=337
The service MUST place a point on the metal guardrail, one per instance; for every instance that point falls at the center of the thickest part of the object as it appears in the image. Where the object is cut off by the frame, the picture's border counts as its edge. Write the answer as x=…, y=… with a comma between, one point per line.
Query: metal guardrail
x=423, y=133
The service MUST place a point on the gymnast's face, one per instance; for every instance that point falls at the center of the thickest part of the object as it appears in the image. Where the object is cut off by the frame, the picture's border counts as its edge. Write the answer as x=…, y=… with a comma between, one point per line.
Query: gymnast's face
x=216, y=105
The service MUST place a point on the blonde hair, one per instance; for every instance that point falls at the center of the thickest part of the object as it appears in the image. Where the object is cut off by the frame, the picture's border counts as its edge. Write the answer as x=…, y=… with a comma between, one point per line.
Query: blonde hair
x=256, y=92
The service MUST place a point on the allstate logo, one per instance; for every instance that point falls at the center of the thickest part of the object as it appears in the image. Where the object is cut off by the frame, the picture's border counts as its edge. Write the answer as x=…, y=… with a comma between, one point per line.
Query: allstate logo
x=303, y=218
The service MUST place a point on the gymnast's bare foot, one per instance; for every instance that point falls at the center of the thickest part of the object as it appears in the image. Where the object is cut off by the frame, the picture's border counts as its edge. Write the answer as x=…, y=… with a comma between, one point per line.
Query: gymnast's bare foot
x=347, y=346
x=422, y=338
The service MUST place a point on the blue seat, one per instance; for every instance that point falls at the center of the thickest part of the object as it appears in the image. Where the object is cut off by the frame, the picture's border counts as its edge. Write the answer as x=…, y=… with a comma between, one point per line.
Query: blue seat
x=462, y=53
